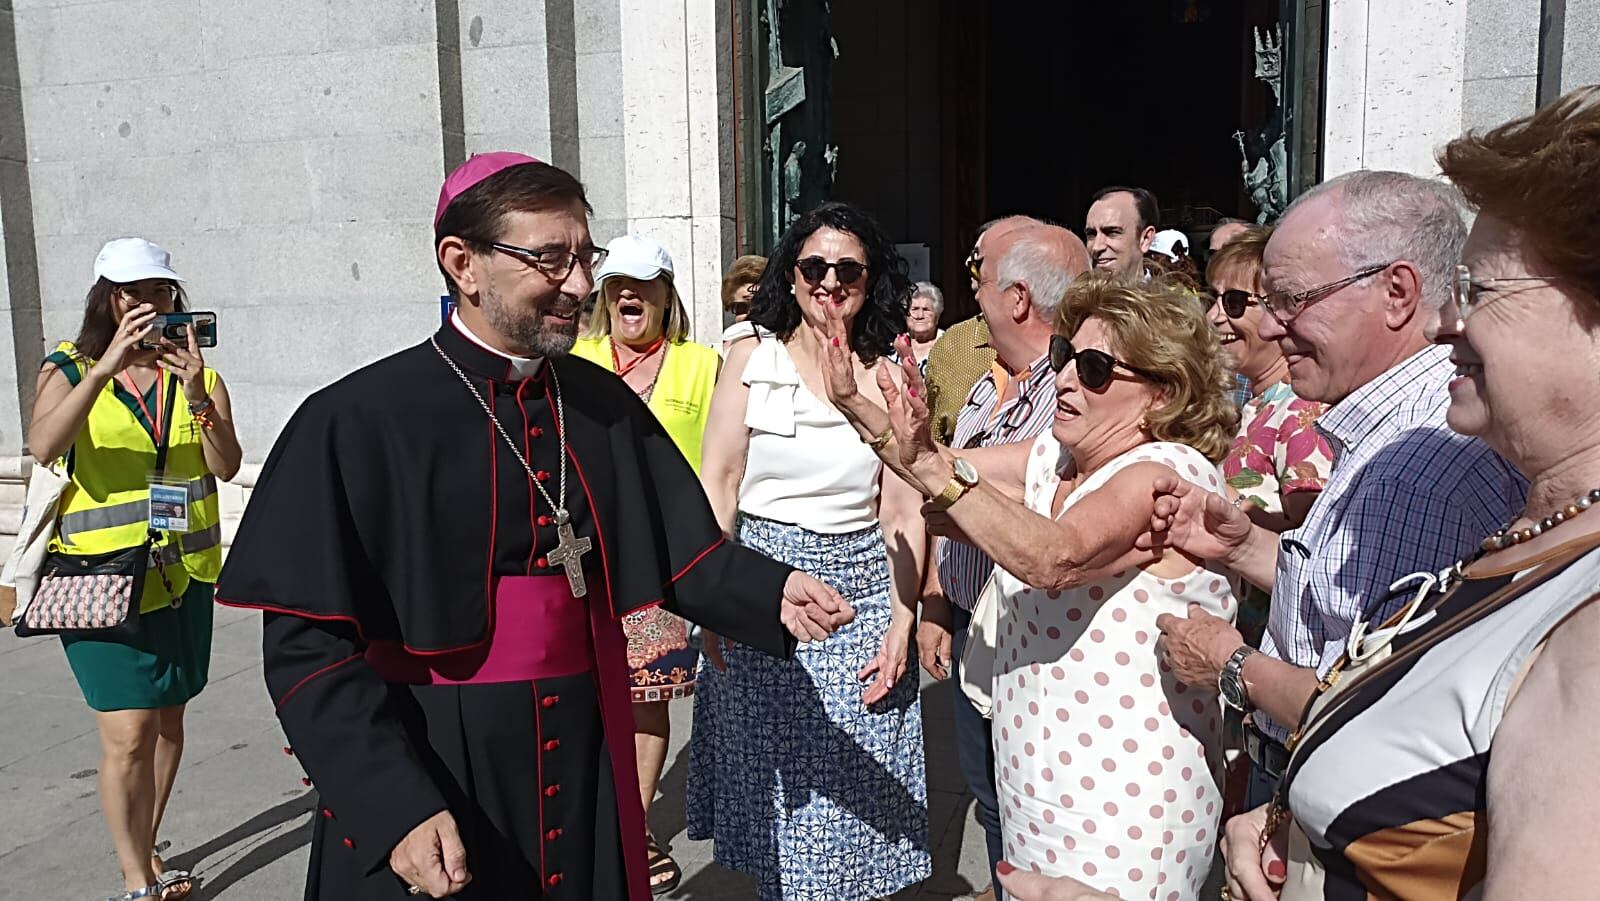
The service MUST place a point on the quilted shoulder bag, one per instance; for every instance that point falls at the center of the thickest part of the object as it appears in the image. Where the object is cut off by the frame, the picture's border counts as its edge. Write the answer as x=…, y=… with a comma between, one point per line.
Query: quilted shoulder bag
x=100, y=592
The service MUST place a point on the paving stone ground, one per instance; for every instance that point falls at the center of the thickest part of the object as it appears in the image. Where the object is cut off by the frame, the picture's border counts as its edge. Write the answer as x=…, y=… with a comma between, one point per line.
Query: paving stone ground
x=241, y=820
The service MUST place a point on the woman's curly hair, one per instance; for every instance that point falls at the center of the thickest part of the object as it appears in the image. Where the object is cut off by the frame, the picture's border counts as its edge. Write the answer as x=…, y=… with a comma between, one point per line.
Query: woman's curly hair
x=1158, y=327
x=882, y=316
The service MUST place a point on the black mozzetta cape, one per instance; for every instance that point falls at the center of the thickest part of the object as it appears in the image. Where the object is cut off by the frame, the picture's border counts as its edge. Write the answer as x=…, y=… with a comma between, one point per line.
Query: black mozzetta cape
x=386, y=511
x=391, y=501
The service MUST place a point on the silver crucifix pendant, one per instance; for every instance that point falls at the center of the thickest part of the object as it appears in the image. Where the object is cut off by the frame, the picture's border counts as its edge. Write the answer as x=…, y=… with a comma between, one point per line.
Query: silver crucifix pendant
x=569, y=553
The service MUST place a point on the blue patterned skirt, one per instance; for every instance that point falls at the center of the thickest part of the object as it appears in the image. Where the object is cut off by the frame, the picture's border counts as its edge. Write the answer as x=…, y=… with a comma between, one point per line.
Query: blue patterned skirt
x=800, y=784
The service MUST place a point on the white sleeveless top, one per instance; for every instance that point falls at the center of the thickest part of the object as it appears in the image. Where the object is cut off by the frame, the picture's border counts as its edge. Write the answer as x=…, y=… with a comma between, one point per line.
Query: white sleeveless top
x=806, y=465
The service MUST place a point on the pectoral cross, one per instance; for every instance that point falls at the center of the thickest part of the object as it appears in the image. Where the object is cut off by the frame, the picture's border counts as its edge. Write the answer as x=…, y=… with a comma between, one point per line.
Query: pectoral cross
x=569, y=553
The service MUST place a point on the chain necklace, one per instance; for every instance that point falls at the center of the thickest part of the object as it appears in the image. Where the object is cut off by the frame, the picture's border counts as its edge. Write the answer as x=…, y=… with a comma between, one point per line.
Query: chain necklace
x=569, y=548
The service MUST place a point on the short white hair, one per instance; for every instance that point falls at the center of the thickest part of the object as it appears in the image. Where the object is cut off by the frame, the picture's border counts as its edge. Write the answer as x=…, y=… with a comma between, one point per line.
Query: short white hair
x=1033, y=261
x=932, y=292
x=1388, y=216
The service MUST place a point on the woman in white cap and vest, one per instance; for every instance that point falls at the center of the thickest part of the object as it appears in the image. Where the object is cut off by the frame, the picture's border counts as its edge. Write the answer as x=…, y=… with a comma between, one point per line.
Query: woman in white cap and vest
x=106, y=402
x=640, y=330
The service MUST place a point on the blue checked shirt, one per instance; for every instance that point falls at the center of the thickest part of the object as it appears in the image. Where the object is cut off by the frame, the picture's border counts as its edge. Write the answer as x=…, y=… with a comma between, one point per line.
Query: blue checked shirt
x=1024, y=416
x=1406, y=495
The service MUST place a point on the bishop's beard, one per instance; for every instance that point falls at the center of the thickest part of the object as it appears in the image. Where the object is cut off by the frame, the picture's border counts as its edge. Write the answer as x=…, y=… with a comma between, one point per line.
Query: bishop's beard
x=528, y=331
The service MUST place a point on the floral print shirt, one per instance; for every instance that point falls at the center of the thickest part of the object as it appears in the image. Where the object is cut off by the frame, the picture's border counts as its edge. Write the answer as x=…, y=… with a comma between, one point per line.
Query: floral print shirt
x=1279, y=450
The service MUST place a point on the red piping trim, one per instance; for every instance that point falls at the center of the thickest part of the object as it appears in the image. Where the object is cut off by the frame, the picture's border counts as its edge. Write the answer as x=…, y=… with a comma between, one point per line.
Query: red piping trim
x=494, y=517
x=594, y=512
x=538, y=771
x=527, y=456
x=331, y=617
x=325, y=670
x=721, y=540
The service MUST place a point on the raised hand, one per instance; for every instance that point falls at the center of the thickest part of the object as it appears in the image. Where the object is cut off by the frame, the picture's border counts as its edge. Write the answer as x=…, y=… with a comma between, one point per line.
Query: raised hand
x=838, y=369
x=915, y=449
x=889, y=666
x=187, y=364
x=432, y=857
x=811, y=610
x=125, y=348
x=1198, y=522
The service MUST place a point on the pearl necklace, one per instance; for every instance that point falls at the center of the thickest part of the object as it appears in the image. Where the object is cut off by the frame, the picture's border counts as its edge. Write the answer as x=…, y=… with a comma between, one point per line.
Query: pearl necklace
x=1507, y=538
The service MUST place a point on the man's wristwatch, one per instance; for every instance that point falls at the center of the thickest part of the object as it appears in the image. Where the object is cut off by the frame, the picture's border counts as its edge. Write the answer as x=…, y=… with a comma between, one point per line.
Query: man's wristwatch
x=964, y=480
x=1230, y=683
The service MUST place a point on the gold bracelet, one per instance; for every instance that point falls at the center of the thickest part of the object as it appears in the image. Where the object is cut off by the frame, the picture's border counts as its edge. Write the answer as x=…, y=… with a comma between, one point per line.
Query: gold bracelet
x=883, y=438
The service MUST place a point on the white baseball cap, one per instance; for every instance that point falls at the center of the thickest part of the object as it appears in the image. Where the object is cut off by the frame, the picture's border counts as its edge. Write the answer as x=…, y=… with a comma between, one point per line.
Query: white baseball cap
x=1168, y=241
x=636, y=257
x=133, y=259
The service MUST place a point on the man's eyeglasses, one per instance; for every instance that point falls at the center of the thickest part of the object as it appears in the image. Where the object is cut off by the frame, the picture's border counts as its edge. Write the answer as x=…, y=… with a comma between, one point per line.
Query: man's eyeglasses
x=815, y=269
x=1094, y=366
x=155, y=294
x=1285, y=305
x=1465, y=290
x=555, y=264
x=975, y=266
x=1234, y=302
x=1009, y=424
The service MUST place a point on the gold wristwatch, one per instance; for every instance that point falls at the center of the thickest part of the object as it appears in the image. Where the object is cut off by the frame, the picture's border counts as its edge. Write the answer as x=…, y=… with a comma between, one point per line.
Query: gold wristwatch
x=964, y=480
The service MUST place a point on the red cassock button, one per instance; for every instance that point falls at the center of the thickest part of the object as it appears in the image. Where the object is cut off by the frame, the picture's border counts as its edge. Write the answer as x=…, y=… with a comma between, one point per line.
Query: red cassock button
x=550, y=700
x=544, y=521
x=289, y=751
x=554, y=880
x=306, y=781
x=552, y=744
x=542, y=475
x=552, y=790
x=552, y=835
x=327, y=814
x=349, y=844
x=541, y=563
x=536, y=432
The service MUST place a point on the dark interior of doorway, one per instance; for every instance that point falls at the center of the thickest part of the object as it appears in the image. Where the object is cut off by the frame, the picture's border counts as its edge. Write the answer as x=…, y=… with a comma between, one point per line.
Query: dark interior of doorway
x=1039, y=104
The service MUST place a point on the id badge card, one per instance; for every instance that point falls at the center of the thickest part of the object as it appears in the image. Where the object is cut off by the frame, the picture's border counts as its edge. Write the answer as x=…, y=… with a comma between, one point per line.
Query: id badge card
x=169, y=506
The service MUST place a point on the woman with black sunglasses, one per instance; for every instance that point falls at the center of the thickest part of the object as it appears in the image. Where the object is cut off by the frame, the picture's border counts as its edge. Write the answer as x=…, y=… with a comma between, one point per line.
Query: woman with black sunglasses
x=1107, y=764
x=808, y=773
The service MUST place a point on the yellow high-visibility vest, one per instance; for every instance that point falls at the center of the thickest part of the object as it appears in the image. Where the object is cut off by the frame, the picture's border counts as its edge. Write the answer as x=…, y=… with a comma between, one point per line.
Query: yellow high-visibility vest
x=106, y=505
x=681, y=398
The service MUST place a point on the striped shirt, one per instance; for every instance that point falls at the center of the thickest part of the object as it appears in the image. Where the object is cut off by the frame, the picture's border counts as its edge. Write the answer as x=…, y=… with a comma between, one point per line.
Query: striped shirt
x=1026, y=413
x=1406, y=495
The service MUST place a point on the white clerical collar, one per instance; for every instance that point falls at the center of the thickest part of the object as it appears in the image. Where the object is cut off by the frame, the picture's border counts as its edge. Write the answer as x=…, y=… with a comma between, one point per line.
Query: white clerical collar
x=521, y=367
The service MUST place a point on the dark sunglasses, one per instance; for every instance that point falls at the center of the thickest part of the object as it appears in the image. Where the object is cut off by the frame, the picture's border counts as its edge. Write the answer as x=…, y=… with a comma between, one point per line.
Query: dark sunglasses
x=739, y=307
x=815, y=269
x=1094, y=366
x=1235, y=302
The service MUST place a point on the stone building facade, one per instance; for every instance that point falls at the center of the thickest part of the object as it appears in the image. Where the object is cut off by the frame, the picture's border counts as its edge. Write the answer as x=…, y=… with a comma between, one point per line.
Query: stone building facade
x=289, y=153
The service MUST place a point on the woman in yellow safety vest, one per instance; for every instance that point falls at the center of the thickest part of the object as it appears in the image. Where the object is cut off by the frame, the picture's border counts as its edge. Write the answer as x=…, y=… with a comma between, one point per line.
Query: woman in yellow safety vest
x=102, y=403
x=640, y=330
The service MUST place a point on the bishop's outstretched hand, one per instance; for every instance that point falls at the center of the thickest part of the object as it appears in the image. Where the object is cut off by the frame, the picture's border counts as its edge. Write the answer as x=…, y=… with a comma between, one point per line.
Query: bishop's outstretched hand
x=811, y=610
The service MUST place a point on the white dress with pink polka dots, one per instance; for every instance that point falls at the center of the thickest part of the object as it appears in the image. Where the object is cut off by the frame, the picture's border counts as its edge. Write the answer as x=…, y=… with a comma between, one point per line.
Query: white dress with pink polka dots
x=1108, y=766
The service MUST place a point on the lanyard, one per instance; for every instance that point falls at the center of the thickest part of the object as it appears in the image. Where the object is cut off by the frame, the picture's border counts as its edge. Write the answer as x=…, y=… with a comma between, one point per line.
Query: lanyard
x=616, y=362
x=155, y=421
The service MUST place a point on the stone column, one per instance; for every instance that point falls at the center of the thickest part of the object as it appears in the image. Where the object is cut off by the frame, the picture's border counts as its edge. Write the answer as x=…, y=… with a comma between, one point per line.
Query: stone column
x=677, y=127
x=1394, y=83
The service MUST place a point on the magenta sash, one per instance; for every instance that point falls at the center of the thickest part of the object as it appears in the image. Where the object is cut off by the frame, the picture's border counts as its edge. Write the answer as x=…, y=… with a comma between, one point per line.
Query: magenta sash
x=538, y=631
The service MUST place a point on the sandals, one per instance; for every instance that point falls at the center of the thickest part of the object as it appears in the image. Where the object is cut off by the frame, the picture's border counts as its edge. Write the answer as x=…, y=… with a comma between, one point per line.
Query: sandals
x=149, y=891
x=662, y=864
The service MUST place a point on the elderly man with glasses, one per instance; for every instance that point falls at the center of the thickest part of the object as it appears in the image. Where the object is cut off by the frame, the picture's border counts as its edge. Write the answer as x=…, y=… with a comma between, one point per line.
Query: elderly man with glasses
x=1020, y=269
x=1354, y=273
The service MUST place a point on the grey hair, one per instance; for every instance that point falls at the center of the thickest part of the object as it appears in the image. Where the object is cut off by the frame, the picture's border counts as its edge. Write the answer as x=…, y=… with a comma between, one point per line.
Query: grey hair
x=932, y=292
x=1032, y=261
x=1387, y=216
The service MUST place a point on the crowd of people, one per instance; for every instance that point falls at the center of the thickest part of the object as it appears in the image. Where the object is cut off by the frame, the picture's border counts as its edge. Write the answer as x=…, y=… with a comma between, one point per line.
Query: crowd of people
x=1268, y=554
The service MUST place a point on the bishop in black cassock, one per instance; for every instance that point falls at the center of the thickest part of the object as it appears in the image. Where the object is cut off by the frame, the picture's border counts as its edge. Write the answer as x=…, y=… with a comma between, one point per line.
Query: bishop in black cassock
x=425, y=650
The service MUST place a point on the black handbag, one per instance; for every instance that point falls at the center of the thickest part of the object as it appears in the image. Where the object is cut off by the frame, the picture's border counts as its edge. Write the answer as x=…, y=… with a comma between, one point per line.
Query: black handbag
x=99, y=593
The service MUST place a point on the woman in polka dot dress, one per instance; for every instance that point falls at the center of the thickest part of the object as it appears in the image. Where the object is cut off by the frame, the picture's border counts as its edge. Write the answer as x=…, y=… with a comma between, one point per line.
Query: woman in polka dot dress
x=1107, y=765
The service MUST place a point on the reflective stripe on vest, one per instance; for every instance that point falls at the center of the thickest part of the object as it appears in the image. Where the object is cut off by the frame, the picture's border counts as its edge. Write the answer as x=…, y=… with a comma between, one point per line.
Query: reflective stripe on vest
x=127, y=514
